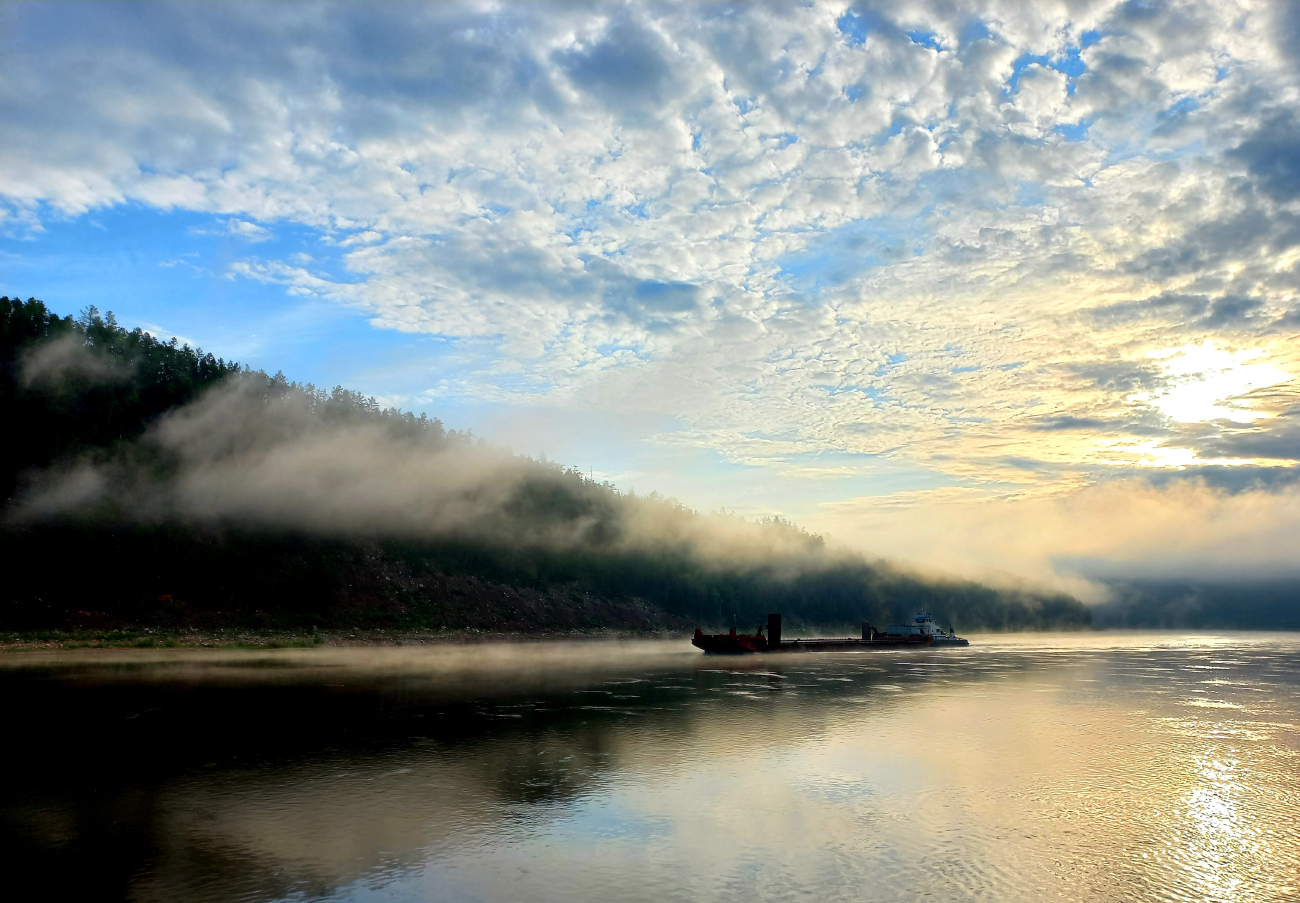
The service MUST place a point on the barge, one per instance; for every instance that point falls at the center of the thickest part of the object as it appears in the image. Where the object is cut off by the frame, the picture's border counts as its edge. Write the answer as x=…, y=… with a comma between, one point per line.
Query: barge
x=923, y=633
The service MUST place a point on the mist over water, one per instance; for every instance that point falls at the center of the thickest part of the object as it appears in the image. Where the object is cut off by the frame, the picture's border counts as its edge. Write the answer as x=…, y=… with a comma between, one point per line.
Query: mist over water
x=1079, y=767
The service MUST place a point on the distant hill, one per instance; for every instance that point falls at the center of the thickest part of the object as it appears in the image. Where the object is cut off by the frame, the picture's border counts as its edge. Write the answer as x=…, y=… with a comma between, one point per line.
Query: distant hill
x=1239, y=604
x=146, y=482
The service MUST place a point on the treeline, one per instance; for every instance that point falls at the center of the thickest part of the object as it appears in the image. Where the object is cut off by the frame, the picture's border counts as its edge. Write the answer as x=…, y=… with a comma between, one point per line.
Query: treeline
x=1258, y=602
x=57, y=402
x=150, y=482
x=72, y=385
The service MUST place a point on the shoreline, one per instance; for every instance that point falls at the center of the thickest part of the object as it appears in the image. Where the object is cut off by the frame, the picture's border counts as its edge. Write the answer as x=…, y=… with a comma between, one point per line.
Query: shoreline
x=148, y=638
x=342, y=638
x=263, y=638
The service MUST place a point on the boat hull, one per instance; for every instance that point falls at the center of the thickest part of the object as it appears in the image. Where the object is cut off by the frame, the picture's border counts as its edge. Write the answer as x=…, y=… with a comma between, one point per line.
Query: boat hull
x=734, y=643
x=747, y=644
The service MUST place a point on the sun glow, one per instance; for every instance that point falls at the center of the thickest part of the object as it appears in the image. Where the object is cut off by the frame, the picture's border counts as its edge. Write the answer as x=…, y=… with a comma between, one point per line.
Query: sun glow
x=1154, y=454
x=1207, y=383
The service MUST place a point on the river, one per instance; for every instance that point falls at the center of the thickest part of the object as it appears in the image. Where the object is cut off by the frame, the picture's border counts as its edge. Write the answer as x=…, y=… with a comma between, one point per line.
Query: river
x=1076, y=767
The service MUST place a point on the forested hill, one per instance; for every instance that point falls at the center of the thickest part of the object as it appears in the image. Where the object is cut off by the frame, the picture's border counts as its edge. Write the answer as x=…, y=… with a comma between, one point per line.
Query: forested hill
x=148, y=483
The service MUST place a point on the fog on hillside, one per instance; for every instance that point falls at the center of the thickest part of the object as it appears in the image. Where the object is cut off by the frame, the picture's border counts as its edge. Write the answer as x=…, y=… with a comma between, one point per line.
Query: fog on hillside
x=248, y=452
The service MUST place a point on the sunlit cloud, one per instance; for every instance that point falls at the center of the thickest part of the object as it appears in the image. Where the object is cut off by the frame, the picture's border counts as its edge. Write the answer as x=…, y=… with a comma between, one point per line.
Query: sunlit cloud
x=1205, y=382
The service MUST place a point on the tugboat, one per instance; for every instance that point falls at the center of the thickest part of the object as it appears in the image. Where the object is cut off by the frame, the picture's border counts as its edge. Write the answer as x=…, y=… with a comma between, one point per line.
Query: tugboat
x=924, y=632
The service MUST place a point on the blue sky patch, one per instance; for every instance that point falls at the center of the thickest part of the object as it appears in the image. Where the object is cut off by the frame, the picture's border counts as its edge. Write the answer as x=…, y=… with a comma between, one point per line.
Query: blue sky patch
x=926, y=39
x=169, y=274
x=1070, y=65
x=842, y=254
x=975, y=30
x=1076, y=132
x=854, y=26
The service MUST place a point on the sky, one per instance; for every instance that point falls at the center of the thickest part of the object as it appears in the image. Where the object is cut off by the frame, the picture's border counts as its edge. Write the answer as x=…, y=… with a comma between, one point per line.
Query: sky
x=1008, y=290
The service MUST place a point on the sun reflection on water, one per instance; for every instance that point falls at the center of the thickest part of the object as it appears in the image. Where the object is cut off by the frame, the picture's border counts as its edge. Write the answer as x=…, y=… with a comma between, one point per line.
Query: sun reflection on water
x=1218, y=851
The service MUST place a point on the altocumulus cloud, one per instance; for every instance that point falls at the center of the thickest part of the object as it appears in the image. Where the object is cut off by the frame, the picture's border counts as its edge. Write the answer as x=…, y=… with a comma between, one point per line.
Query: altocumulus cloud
x=962, y=238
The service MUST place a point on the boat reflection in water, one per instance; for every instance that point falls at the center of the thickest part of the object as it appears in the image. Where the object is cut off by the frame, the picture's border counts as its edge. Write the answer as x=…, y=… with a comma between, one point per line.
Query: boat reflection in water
x=923, y=632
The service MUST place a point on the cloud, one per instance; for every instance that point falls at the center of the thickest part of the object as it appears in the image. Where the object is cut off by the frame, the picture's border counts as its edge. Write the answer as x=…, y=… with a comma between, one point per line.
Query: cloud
x=247, y=231
x=1176, y=307
x=1269, y=155
x=1188, y=528
x=945, y=236
x=1067, y=422
x=1189, y=311
x=1286, y=29
x=237, y=228
x=1274, y=439
x=1041, y=103
x=625, y=67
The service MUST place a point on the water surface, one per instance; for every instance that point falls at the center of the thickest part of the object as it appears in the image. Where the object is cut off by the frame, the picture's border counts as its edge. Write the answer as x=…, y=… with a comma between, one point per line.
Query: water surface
x=1082, y=767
